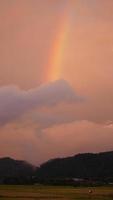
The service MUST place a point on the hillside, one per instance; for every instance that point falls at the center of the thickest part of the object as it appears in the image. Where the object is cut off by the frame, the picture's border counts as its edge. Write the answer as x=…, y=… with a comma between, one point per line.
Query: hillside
x=15, y=171
x=88, y=166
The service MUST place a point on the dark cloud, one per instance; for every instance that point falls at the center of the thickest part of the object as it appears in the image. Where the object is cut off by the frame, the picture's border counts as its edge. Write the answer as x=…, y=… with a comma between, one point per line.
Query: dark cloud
x=15, y=102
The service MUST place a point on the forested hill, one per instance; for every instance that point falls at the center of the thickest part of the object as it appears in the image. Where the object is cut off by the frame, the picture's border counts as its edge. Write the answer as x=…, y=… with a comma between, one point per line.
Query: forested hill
x=15, y=168
x=82, y=166
x=86, y=165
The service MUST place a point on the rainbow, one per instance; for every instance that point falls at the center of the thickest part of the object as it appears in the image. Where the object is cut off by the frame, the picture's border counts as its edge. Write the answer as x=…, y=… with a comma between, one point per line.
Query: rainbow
x=57, y=53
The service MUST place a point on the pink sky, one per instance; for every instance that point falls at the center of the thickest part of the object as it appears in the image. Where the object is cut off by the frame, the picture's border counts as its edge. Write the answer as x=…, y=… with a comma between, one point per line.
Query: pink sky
x=41, y=120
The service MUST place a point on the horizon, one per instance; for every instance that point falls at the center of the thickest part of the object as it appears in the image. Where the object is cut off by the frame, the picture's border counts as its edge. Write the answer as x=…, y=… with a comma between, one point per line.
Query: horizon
x=55, y=158
x=56, y=80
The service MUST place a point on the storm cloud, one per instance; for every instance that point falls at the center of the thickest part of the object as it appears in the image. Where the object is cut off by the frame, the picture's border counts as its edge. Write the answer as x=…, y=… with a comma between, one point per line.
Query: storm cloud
x=15, y=102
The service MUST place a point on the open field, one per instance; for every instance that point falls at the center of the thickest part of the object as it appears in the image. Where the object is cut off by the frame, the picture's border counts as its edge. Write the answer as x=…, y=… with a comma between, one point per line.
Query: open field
x=54, y=193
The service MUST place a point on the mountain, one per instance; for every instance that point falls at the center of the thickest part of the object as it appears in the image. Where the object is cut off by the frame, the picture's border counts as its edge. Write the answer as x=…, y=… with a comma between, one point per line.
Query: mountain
x=86, y=166
x=15, y=171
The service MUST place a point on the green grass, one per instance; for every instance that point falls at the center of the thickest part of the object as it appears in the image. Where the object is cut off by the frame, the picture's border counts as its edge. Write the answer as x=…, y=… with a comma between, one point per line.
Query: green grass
x=54, y=193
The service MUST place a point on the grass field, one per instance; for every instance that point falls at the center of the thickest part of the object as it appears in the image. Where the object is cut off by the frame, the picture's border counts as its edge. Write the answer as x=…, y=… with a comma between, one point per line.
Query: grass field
x=54, y=193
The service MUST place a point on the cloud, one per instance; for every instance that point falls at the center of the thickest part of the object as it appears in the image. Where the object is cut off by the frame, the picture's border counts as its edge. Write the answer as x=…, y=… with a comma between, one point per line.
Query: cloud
x=46, y=120
x=59, y=141
x=15, y=102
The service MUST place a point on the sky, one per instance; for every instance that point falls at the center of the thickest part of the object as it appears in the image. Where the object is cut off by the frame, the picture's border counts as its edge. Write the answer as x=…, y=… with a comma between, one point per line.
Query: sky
x=56, y=78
